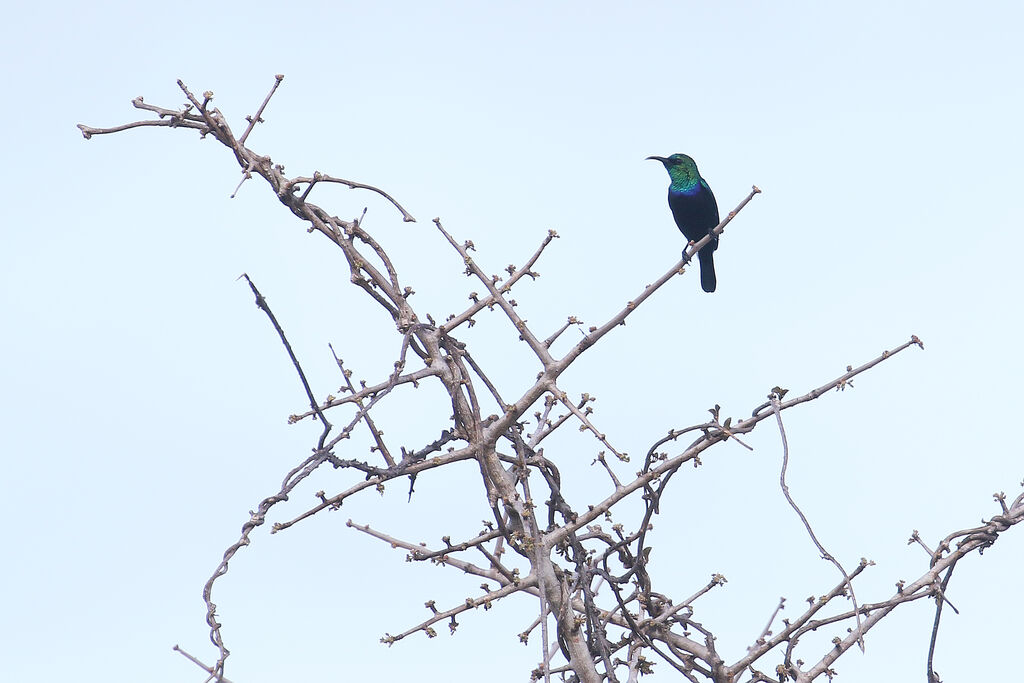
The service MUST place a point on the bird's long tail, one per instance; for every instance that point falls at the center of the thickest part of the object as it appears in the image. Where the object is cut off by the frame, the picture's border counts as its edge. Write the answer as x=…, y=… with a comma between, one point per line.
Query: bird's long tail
x=707, y=269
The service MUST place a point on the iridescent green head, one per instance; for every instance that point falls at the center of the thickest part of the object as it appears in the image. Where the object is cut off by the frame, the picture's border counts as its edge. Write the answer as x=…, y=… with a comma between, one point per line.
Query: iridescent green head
x=682, y=169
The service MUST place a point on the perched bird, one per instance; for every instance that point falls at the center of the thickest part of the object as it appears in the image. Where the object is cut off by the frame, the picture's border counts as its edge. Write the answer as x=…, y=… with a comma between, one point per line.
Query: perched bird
x=695, y=210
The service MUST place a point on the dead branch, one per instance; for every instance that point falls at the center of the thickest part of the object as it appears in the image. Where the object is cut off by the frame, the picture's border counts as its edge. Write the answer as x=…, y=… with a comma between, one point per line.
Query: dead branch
x=587, y=572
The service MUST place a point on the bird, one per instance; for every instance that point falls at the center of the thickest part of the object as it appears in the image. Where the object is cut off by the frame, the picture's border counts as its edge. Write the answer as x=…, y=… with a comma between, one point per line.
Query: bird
x=695, y=211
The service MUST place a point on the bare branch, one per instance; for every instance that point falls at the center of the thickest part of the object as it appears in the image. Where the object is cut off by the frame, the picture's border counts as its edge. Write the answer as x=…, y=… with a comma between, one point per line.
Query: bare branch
x=807, y=525
x=498, y=296
x=620, y=317
x=587, y=424
x=261, y=303
x=480, y=304
x=377, y=437
x=253, y=120
x=324, y=178
x=585, y=569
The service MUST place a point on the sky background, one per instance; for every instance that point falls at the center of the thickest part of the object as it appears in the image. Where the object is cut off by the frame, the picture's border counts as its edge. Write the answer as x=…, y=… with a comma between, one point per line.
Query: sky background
x=143, y=398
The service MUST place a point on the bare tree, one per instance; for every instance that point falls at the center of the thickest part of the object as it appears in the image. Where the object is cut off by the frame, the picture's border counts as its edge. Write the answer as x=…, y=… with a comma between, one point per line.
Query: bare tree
x=590, y=582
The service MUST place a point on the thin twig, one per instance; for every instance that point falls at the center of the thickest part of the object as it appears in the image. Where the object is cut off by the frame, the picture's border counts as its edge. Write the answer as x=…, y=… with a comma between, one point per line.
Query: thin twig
x=377, y=437
x=261, y=303
x=258, y=118
x=807, y=525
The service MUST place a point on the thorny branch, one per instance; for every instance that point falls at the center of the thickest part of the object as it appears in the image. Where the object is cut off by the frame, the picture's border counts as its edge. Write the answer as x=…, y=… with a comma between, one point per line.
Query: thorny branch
x=591, y=581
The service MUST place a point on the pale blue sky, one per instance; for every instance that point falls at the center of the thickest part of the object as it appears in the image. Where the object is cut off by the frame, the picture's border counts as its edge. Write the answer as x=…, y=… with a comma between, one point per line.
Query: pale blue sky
x=144, y=397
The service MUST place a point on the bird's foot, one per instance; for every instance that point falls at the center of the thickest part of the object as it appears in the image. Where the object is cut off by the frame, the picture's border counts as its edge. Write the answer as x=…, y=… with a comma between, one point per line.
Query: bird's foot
x=687, y=259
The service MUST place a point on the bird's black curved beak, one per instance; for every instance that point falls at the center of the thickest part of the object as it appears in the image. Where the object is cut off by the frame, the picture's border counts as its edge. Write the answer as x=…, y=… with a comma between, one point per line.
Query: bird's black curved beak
x=661, y=159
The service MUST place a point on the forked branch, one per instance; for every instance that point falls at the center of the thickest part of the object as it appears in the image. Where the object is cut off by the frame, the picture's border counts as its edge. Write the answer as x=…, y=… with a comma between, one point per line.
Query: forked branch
x=587, y=572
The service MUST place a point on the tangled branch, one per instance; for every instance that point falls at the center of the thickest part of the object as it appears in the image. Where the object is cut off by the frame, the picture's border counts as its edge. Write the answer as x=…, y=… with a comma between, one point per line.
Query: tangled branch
x=588, y=573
